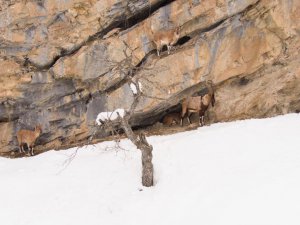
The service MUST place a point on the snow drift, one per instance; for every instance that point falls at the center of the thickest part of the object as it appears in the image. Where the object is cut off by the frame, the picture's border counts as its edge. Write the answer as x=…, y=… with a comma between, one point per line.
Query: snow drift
x=245, y=172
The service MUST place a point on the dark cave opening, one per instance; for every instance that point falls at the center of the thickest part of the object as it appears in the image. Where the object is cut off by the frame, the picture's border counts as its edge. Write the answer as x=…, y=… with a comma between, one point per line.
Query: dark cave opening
x=183, y=40
x=154, y=119
x=143, y=14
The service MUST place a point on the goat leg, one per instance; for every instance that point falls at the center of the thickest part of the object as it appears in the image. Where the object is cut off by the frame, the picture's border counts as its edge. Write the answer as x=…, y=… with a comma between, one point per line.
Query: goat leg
x=201, y=123
x=28, y=147
x=31, y=151
x=159, y=47
x=188, y=118
x=181, y=121
x=202, y=120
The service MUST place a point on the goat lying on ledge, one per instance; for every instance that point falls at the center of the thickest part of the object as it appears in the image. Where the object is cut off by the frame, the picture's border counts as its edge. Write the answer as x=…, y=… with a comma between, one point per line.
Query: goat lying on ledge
x=28, y=137
x=171, y=119
x=198, y=104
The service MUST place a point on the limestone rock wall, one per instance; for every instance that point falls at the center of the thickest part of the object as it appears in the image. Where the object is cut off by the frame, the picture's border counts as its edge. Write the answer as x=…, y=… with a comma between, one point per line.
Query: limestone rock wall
x=60, y=61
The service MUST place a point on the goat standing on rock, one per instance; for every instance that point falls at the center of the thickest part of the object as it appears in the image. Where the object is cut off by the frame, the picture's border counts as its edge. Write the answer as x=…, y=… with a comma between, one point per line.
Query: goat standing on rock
x=165, y=37
x=28, y=137
x=198, y=104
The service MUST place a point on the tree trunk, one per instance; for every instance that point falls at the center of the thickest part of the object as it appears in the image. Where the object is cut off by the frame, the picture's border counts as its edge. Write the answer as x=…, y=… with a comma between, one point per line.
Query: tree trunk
x=147, y=172
x=146, y=149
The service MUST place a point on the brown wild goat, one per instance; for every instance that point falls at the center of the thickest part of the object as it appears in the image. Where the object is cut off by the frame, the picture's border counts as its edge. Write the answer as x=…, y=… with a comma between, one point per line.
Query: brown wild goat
x=198, y=104
x=28, y=137
x=171, y=119
x=165, y=37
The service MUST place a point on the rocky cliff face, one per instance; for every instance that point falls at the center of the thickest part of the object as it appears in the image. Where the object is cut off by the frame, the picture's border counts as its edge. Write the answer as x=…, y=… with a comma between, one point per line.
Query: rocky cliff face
x=60, y=61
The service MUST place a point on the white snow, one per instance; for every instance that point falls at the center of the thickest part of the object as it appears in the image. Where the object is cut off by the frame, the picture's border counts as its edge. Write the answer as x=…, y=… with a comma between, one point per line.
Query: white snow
x=134, y=88
x=239, y=173
x=103, y=116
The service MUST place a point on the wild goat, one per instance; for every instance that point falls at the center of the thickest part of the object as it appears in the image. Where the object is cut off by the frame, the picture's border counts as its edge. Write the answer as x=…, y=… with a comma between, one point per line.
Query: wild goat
x=198, y=104
x=171, y=119
x=28, y=137
x=165, y=37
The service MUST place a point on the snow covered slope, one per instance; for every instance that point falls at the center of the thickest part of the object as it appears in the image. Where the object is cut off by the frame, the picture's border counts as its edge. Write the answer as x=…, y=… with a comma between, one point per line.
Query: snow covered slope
x=245, y=172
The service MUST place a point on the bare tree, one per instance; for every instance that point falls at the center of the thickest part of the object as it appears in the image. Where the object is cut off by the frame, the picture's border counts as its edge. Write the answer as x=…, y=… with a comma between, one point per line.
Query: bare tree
x=141, y=143
x=127, y=68
x=139, y=140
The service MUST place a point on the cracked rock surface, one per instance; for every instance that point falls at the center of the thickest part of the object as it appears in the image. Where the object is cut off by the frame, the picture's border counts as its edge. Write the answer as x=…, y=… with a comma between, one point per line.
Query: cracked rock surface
x=60, y=61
